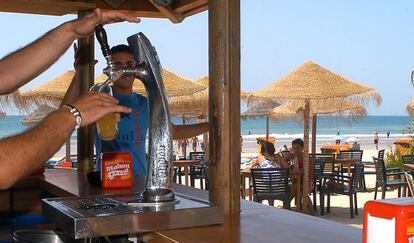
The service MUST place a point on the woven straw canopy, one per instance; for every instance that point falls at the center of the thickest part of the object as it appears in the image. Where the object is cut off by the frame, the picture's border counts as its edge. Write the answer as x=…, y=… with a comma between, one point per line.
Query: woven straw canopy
x=13, y=99
x=260, y=109
x=174, y=84
x=410, y=108
x=313, y=82
x=343, y=109
x=196, y=104
x=53, y=91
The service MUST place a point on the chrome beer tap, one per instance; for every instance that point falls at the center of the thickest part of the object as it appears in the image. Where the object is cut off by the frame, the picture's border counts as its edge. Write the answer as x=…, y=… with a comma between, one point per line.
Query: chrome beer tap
x=148, y=70
x=111, y=71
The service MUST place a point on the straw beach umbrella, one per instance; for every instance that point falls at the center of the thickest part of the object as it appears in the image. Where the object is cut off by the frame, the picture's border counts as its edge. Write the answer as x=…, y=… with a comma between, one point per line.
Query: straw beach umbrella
x=410, y=108
x=309, y=85
x=52, y=91
x=261, y=109
x=343, y=109
x=175, y=85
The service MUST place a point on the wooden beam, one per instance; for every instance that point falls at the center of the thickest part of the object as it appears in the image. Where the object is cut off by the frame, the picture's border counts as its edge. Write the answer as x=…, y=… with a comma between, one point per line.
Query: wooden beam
x=224, y=104
x=47, y=7
x=307, y=204
x=196, y=11
x=188, y=5
x=86, y=79
x=169, y=13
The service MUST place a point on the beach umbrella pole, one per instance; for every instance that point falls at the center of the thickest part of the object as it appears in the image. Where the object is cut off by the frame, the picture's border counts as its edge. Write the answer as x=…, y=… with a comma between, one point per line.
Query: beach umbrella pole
x=267, y=127
x=314, y=118
x=307, y=204
x=68, y=150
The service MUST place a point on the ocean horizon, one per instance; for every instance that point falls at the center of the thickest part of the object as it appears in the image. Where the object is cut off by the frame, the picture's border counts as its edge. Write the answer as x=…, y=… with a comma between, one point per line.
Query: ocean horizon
x=285, y=131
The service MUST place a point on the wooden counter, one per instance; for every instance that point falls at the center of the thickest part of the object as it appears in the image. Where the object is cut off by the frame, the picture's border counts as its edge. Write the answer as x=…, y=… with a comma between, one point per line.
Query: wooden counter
x=257, y=222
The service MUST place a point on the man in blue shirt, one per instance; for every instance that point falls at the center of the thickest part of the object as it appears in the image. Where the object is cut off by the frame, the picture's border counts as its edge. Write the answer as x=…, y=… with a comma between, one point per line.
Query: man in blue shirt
x=132, y=128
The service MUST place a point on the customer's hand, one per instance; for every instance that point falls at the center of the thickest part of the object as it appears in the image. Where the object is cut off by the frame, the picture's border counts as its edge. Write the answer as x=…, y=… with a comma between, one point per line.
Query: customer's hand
x=86, y=25
x=94, y=106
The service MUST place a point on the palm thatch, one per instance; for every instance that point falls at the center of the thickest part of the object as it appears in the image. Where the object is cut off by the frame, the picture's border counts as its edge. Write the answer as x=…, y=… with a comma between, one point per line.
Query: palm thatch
x=260, y=109
x=53, y=91
x=343, y=109
x=410, y=108
x=197, y=104
x=14, y=99
x=312, y=82
x=50, y=92
x=174, y=84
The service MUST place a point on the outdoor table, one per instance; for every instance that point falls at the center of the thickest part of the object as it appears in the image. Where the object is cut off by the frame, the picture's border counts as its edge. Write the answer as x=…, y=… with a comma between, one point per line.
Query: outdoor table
x=294, y=175
x=186, y=165
x=337, y=147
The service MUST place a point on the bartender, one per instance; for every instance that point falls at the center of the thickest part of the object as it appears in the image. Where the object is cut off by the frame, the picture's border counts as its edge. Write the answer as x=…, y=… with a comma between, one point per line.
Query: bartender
x=22, y=154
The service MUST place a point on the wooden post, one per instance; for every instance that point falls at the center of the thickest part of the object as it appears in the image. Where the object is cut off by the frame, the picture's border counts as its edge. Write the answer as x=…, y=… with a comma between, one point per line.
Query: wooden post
x=86, y=76
x=314, y=118
x=267, y=127
x=68, y=150
x=184, y=149
x=224, y=104
x=307, y=204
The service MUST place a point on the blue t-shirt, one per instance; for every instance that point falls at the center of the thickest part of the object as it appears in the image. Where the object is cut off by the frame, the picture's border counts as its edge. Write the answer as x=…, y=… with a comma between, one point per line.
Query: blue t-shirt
x=132, y=131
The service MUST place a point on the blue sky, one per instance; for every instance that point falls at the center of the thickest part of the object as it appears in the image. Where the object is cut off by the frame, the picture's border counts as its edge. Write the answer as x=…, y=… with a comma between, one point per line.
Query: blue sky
x=368, y=41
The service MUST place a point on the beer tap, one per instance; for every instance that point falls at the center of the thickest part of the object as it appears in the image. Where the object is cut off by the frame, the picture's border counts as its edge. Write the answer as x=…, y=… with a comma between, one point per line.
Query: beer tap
x=111, y=71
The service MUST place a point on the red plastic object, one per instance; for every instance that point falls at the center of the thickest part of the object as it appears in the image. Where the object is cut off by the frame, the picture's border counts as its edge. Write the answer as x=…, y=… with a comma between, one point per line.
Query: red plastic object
x=389, y=220
x=67, y=164
x=116, y=170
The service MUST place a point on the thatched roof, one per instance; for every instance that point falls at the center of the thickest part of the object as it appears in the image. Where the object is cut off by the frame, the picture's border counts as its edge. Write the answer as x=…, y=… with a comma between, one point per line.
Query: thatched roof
x=260, y=109
x=340, y=108
x=13, y=99
x=174, y=84
x=410, y=107
x=52, y=92
x=312, y=82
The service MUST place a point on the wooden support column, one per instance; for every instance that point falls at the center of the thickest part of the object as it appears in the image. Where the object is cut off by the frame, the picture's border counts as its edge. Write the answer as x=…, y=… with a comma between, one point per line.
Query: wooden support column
x=267, y=127
x=314, y=118
x=224, y=104
x=86, y=76
x=307, y=204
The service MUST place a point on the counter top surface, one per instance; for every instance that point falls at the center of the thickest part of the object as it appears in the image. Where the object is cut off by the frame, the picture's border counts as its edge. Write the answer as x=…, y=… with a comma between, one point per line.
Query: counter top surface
x=257, y=222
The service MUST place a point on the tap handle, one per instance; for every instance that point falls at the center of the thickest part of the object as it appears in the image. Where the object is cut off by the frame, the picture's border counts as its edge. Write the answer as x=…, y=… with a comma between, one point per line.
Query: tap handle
x=103, y=40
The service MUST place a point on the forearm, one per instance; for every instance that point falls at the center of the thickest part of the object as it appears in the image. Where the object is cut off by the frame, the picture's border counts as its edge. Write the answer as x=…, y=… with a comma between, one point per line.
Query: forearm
x=23, y=153
x=72, y=94
x=24, y=65
x=188, y=131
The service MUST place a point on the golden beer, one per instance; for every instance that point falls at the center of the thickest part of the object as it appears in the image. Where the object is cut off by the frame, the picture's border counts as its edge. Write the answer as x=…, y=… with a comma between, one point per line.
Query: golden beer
x=107, y=127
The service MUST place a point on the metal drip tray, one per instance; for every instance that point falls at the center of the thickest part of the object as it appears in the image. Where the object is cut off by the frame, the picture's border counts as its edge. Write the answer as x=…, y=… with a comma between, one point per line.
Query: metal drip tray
x=126, y=214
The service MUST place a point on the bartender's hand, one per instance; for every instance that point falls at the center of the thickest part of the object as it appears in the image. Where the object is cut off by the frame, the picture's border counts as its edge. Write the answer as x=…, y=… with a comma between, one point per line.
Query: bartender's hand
x=94, y=106
x=86, y=25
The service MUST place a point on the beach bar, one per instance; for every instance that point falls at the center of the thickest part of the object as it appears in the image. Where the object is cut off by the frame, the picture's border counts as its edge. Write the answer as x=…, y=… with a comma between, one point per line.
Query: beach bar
x=243, y=221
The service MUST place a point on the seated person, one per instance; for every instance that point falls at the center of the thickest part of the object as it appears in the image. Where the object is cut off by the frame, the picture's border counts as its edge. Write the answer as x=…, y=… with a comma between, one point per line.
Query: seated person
x=267, y=158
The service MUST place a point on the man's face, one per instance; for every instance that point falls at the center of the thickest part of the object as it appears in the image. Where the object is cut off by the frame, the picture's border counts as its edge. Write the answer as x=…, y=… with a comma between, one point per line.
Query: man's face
x=297, y=148
x=123, y=60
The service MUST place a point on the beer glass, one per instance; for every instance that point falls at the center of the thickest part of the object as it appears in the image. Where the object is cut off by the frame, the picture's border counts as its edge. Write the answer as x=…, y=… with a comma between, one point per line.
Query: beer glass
x=107, y=126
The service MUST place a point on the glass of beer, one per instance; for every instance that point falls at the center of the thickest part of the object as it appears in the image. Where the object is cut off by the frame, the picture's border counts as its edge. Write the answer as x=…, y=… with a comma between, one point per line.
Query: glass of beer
x=107, y=126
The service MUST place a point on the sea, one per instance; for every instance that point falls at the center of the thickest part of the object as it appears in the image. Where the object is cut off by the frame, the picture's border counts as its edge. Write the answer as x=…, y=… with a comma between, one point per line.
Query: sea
x=284, y=132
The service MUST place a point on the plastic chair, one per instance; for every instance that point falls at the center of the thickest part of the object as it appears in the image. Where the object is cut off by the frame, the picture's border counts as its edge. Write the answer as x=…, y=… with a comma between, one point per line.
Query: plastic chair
x=383, y=180
x=340, y=184
x=369, y=164
x=271, y=184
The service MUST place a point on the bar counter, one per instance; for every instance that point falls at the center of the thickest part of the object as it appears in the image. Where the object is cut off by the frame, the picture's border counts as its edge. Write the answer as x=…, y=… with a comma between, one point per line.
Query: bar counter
x=257, y=222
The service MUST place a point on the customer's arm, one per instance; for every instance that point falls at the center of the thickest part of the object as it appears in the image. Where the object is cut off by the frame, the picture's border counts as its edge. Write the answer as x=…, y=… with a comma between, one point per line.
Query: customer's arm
x=20, y=67
x=23, y=153
x=188, y=131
